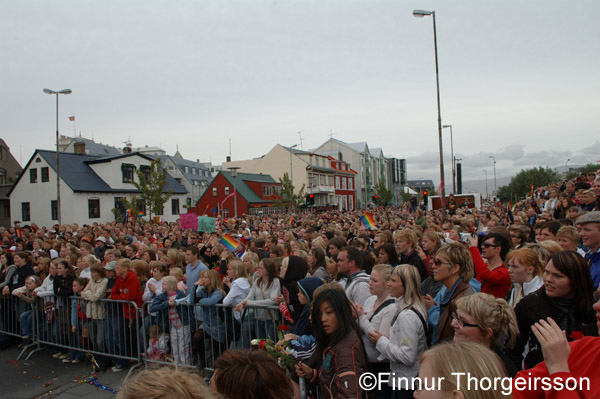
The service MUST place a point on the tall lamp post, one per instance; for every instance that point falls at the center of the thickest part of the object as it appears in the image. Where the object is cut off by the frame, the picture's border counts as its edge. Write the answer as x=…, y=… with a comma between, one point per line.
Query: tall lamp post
x=495, y=182
x=291, y=170
x=234, y=170
x=453, y=159
x=421, y=14
x=64, y=91
x=486, y=186
x=566, y=167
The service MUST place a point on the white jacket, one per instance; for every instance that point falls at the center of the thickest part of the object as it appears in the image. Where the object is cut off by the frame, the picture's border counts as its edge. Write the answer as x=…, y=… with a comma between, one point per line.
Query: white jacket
x=237, y=293
x=406, y=344
x=381, y=322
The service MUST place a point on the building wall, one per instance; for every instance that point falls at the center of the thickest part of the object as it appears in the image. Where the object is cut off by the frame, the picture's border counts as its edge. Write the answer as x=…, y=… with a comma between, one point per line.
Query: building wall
x=111, y=171
x=209, y=202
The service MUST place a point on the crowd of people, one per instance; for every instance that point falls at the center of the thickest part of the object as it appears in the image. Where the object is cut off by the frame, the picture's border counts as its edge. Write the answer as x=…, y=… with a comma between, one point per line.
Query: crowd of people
x=507, y=293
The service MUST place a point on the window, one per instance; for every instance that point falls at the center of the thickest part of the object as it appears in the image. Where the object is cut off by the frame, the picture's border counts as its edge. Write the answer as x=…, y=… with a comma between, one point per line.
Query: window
x=330, y=180
x=350, y=202
x=6, y=210
x=128, y=172
x=141, y=206
x=145, y=172
x=175, y=206
x=322, y=180
x=226, y=190
x=2, y=176
x=25, y=215
x=32, y=176
x=343, y=183
x=54, y=210
x=187, y=170
x=1, y=153
x=214, y=191
x=94, y=208
x=350, y=183
x=337, y=182
x=45, y=174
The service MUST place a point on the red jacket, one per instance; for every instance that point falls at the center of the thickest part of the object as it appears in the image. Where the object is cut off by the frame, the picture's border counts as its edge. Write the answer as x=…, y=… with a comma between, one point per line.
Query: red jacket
x=128, y=289
x=583, y=362
x=494, y=282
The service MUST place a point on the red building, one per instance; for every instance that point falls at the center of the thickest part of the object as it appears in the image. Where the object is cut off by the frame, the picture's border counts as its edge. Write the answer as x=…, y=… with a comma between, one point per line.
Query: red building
x=345, y=189
x=255, y=194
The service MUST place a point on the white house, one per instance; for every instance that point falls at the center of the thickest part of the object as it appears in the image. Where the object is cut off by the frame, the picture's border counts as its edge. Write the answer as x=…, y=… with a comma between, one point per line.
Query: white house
x=90, y=187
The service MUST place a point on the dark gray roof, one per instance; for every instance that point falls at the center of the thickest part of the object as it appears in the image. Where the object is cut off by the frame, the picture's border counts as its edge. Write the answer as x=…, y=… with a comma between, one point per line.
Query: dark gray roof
x=95, y=149
x=80, y=177
x=181, y=163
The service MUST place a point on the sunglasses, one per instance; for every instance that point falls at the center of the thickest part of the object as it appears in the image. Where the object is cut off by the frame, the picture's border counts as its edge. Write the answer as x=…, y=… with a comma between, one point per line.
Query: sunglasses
x=461, y=322
x=438, y=262
x=488, y=245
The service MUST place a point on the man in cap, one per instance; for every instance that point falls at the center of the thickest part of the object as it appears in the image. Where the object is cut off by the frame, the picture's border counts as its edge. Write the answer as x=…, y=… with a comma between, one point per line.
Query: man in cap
x=100, y=248
x=589, y=230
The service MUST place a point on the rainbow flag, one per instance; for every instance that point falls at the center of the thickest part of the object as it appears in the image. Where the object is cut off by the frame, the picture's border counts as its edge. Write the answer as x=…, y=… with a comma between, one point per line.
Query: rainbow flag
x=368, y=220
x=140, y=214
x=291, y=220
x=229, y=242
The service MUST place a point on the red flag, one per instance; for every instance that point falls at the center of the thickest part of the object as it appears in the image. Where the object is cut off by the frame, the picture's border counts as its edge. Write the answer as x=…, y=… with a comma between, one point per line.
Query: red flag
x=72, y=118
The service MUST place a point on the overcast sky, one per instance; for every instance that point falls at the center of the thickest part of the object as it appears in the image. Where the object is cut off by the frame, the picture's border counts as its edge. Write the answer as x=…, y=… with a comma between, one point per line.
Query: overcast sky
x=519, y=79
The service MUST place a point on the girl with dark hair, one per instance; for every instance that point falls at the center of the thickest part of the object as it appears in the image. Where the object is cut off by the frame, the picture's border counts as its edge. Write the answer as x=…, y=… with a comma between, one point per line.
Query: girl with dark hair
x=293, y=268
x=341, y=355
x=387, y=255
x=317, y=264
x=566, y=297
x=264, y=290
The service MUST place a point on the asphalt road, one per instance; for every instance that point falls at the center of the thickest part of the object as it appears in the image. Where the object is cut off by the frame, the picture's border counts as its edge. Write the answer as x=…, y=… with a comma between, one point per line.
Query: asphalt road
x=42, y=376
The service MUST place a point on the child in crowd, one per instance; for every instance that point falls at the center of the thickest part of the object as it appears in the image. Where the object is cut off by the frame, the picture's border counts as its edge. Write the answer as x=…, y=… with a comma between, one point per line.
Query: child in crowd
x=178, y=274
x=157, y=344
x=28, y=296
x=78, y=320
x=177, y=317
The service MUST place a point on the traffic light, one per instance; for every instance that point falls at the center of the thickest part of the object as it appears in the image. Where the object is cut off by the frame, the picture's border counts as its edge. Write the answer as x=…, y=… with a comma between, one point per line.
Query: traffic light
x=310, y=199
x=375, y=199
x=425, y=196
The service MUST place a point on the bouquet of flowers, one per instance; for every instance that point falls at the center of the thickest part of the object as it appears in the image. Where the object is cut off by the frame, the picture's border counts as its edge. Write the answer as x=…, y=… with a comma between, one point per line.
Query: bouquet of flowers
x=281, y=353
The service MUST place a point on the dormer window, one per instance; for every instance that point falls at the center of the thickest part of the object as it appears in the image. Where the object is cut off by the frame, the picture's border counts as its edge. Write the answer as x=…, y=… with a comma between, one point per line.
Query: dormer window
x=128, y=172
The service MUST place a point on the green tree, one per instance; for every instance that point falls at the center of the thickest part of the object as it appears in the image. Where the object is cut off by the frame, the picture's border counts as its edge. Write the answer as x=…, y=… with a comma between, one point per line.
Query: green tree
x=151, y=186
x=520, y=184
x=127, y=204
x=385, y=194
x=288, y=198
x=588, y=168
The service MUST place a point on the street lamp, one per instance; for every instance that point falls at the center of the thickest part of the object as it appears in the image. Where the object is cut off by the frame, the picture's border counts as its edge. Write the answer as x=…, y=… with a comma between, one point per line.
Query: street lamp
x=420, y=14
x=64, y=91
x=234, y=170
x=453, y=159
x=495, y=182
x=566, y=167
x=486, y=186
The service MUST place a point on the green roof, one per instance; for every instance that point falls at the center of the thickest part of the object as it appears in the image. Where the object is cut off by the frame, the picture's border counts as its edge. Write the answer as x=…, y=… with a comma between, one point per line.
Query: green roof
x=242, y=188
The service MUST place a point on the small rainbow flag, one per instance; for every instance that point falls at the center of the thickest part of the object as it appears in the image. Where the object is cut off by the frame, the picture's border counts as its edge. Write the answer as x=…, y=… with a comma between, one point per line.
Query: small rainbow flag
x=368, y=220
x=229, y=242
x=291, y=220
x=140, y=214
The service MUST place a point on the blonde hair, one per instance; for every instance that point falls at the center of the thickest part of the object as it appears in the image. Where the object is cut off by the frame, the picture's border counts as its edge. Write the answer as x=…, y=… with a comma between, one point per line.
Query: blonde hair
x=177, y=273
x=252, y=258
x=165, y=383
x=175, y=256
x=238, y=268
x=411, y=280
x=457, y=254
x=319, y=242
x=493, y=313
x=124, y=262
x=551, y=246
x=384, y=271
x=214, y=278
x=409, y=236
x=452, y=360
x=568, y=232
x=170, y=280
x=527, y=257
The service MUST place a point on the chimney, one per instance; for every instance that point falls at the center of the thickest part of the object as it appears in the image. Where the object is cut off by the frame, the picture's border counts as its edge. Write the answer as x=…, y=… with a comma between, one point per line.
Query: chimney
x=80, y=147
x=127, y=149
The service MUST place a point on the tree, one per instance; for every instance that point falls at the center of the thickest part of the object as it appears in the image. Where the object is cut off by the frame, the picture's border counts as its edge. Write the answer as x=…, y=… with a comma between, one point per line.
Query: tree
x=288, y=199
x=587, y=169
x=385, y=194
x=520, y=185
x=124, y=207
x=151, y=186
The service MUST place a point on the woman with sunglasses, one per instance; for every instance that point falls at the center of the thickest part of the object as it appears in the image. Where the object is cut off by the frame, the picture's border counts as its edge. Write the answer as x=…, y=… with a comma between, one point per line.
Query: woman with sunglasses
x=453, y=267
x=489, y=321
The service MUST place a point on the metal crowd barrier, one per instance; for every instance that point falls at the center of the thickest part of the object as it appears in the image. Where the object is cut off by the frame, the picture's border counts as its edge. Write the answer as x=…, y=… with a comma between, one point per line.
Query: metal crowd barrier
x=195, y=338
